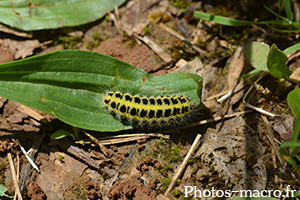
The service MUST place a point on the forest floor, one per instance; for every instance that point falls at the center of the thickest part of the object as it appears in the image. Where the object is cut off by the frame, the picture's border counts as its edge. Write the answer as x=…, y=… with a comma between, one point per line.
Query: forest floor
x=238, y=150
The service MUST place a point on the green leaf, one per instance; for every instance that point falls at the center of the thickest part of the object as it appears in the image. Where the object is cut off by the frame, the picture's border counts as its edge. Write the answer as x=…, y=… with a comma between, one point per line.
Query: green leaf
x=71, y=84
x=290, y=144
x=3, y=189
x=283, y=30
x=297, y=194
x=234, y=22
x=292, y=162
x=277, y=15
x=276, y=63
x=39, y=14
x=61, y=134
x=288, y=10
x=257, y=53
x=292, y=49
x=282, y=151
x=293, y=101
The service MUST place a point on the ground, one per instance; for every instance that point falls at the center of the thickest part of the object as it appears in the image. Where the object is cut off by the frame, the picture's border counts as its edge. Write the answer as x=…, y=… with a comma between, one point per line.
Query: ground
x=238, y=152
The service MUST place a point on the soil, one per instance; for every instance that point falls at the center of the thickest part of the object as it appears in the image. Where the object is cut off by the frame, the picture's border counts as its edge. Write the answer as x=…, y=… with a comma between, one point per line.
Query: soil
x=133, y=188
x=234, y=153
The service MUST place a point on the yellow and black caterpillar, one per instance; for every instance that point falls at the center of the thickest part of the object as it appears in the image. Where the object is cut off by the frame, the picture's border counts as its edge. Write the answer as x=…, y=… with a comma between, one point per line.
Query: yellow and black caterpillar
x=149, y=111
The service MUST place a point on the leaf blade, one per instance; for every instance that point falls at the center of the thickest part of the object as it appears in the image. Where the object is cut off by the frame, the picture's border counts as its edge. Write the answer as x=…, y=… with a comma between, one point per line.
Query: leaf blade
x=37, y=14
x=276, y=63
x=70, y=85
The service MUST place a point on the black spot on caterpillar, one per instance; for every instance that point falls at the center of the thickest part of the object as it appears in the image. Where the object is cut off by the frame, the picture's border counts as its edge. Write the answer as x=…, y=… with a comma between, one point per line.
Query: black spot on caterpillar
x=149, y=111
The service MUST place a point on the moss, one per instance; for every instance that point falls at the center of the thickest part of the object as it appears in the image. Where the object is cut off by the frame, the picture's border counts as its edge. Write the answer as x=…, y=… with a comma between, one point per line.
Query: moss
x=176, y=193
x=181, y=4
x=159, y=17
x=61, y=157
x=174, y=154
x=147, y=30
x=70, y=42
x=96, y=36
x=92, y=45
x=165, y=183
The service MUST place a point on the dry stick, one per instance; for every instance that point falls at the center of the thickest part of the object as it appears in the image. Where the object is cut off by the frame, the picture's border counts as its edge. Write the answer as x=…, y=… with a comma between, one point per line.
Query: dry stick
x=27, y=170
x=131, y=137
x=136, y=136
x=18, y=171
x=27, y=156
x=118, y=139
x=183, y=165
x=155, y=47
x=29, y=111
x=102, y=147
x=271, y=137
x=171, y=31
x=14, y=176
x=253, y=107
x=236, y=89
x=215, y=119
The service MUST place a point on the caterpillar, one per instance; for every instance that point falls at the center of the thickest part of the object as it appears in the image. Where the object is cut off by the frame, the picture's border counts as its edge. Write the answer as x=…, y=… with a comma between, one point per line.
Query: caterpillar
x=151, y=111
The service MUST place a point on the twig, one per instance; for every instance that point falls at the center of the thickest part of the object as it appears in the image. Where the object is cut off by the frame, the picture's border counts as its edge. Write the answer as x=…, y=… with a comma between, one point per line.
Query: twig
x=102, y=147
x=231, y=92
x=13, y=173
x=117, y=139
x=31, y=154
x=155, y=47
x=29, y=111
x=215, y=119
x=261, y=75
x=259, y=110
x=18, y=171
x=171, y=31
x=271, y=137
x=27, y=156
x=183, y=165
x=116, y=19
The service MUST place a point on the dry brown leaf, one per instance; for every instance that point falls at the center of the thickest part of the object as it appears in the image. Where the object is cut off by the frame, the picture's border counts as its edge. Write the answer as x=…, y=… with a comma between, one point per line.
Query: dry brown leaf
x=22, y=49
x=135, y=16
x=231, y=152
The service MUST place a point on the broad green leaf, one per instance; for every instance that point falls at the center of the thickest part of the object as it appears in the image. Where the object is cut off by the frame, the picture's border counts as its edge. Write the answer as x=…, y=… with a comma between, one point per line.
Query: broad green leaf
x=293, y=101
x=276, y=63
x=39, y=14
x=255, y=48
x=257, y=53
x=71, y=84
